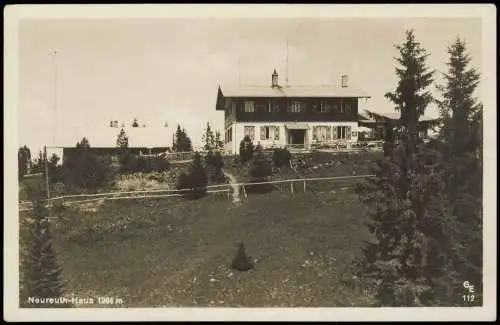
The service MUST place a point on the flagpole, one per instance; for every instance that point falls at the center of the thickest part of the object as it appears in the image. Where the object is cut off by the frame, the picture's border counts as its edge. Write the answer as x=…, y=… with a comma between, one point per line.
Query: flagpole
x=286, y=83
x=54, y=61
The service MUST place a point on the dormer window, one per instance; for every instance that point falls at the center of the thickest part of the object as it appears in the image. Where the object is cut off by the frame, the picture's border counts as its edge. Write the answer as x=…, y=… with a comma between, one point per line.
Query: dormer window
x=249, y=106
x=296, y=106
x=324, y=106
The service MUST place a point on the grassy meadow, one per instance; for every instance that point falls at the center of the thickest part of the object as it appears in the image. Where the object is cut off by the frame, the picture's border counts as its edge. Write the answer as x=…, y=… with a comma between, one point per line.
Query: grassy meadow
x=173, y=252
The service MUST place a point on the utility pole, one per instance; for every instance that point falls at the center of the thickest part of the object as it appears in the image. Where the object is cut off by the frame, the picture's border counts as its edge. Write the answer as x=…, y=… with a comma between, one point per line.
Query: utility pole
x=54, y=56
x=239, y=71
x=46, y=172
x=286, y=82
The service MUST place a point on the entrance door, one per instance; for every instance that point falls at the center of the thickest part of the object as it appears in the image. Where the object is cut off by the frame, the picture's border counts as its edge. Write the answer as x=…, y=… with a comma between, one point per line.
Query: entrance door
x=297, y=137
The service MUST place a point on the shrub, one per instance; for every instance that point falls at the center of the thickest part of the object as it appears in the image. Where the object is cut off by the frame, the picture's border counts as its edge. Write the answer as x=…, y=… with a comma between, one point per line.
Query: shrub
x=281, y=157
x=260, y=170
x=214, y=164
x=127, y=163
x=246, y=149
x=196, y=180
x=159, y=164
x=130, y=163
x=86, y=170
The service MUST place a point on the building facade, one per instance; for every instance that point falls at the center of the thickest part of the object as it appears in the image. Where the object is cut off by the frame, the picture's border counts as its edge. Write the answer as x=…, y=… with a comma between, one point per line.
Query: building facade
x=300, y=117
x=384, y=124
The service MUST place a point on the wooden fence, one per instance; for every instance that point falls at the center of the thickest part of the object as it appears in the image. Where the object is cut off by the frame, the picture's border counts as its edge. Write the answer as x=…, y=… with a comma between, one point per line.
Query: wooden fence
x=227, y=190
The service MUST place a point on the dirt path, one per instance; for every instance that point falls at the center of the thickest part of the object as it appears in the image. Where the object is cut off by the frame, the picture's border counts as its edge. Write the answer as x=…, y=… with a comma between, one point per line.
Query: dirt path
x=236, y=188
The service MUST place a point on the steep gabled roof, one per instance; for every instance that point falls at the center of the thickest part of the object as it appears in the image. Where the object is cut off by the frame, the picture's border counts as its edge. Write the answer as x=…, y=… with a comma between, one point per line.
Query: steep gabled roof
x=288, y=92
x=292, y=91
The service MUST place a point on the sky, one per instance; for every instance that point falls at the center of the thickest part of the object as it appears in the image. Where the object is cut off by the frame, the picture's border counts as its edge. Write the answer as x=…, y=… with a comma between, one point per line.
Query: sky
x=168, y=70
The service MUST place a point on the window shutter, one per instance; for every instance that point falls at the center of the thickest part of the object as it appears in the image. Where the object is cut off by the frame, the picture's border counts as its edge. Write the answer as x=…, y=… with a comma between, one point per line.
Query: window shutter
x=315, y=133
x=262, y=133
x=334, y=133
x=348, y=131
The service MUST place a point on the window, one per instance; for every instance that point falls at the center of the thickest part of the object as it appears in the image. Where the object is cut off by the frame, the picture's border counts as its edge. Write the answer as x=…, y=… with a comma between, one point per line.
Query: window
x=249, y=107
x=260, y=106
x=322, y=133
x=233, y=106
x=296, y=106
x=269, y=133
x=269, y=107
x=276, y=108
x=250, y=131
x=229, y=135
x=344, y=132
x=324, y=106
x=345, y=107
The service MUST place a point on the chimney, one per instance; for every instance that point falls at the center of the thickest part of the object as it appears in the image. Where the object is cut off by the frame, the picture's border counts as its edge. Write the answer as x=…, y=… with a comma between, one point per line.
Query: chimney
x=344, y=81
x=275, y=79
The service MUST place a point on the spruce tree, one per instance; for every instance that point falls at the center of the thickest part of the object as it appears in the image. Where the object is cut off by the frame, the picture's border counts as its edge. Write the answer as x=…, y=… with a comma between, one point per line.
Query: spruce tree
x=122, y=140
x=219, y=143
x=182, y=142
x=399, y=207
x=41, y=272
x=187, y=145
x=208, y=139
x=461, y=135
x=24, y=159
x=125, y=157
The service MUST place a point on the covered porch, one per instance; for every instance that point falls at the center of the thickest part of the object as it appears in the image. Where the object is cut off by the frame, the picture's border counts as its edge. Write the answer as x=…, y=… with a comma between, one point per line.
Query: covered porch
x=297, y=136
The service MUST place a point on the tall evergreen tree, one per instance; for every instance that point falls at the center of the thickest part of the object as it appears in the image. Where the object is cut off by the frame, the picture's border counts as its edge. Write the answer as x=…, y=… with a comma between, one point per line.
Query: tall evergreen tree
x=208, y=139
x=41, y=272
x=461, y=134
x=219, y=142
x=24, y=161
x=400, y=207
x=182, y=142
x=187, y=145
x=176, y=137
x=122, y=140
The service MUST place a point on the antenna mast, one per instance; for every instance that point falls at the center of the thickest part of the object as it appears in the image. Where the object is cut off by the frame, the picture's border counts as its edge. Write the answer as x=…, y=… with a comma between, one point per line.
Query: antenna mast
x=239, y=72
x=287, y=61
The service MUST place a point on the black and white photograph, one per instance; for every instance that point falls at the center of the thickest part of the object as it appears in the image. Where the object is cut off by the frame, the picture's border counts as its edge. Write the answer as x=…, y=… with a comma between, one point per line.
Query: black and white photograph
x=250, y=162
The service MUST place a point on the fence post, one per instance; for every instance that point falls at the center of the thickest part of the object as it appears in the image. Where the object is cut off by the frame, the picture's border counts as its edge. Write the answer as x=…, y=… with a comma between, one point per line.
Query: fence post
x=291, y=187
x=304, y=186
